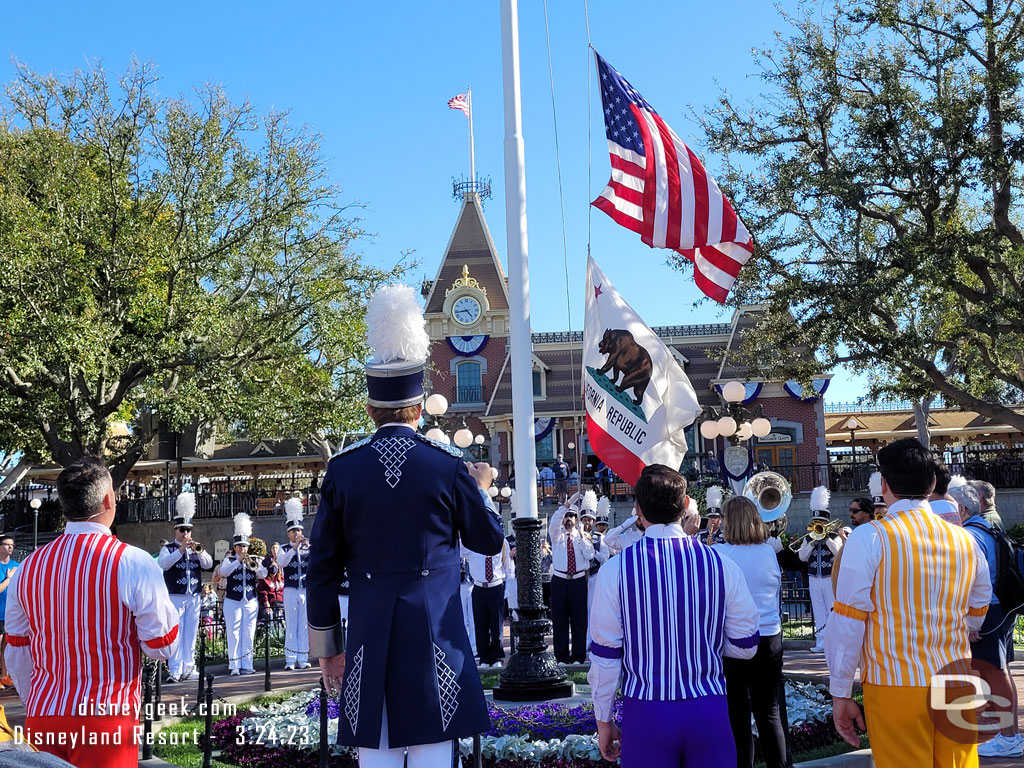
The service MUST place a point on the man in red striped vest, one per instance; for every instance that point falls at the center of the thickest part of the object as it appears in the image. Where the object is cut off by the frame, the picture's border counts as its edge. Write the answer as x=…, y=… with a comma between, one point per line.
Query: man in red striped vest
x=80, y=613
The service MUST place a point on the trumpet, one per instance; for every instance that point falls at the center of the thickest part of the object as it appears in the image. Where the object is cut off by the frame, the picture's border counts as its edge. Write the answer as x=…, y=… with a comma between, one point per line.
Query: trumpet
x=195, y=546
x=816, y=531
x=252, y=562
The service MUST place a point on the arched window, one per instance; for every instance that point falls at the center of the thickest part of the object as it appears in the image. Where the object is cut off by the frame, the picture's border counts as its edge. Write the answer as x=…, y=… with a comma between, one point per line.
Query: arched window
x=469, y=383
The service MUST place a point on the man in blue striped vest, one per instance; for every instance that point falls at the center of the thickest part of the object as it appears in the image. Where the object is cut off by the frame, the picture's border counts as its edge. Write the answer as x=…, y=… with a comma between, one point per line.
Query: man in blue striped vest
x=665, y=611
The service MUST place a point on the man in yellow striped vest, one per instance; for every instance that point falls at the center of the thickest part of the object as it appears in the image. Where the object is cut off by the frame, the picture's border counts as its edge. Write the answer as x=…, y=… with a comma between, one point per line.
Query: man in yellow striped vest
x=911, y=589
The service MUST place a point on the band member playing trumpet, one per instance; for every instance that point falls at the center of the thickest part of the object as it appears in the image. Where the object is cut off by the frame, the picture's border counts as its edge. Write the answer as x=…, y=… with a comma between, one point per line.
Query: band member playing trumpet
x=294, y=559
x=242, y=571
x=713, y=533
x=183, y=561
x=819, y=554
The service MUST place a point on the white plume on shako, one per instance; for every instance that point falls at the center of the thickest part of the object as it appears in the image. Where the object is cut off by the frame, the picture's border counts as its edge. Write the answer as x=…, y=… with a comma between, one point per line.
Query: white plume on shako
x=875, y=485
x=820, y=497
x=243, y=525
x=395, y=326
x=293, y=510
x=185, y=507
x=589, y=501
x=713, y=499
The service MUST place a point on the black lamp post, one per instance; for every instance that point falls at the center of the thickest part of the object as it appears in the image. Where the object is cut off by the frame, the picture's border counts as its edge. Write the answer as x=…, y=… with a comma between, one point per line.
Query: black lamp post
x=853, y=425
x=35, y=504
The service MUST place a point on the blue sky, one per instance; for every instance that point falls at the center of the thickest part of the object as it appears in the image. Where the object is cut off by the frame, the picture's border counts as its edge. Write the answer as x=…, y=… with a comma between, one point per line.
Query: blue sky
x=374, y=78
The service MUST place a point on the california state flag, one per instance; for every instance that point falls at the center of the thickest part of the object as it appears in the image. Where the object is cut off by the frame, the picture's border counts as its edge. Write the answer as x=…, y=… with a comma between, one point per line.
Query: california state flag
x=638, y=398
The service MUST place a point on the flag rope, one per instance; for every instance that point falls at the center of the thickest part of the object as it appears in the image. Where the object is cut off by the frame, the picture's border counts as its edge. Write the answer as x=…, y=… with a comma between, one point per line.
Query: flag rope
x=576, y=381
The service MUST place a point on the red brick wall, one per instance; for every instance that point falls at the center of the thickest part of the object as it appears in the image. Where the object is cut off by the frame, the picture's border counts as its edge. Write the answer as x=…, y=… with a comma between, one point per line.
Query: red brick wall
x=443, y=381
x=805, y=414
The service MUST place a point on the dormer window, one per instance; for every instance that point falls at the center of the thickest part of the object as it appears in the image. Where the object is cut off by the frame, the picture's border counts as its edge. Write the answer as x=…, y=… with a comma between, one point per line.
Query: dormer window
x=540, y=379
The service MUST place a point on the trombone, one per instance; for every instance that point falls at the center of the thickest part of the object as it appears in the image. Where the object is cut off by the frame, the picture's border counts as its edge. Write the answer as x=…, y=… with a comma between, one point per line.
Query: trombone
x=816, y=531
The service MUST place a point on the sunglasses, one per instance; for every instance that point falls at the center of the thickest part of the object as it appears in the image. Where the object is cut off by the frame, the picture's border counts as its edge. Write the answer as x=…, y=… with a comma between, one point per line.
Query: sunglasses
x=857, y=509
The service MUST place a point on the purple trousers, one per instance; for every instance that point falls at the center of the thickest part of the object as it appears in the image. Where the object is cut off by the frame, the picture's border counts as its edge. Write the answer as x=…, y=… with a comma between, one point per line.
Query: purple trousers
x=690, y=733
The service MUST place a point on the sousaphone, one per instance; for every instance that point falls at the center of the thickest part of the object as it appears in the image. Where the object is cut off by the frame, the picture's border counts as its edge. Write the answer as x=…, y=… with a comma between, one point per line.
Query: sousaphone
x=772, y=495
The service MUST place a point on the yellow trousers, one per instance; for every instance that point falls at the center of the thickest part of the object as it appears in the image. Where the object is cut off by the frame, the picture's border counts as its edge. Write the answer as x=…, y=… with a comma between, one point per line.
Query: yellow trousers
x=902, y=734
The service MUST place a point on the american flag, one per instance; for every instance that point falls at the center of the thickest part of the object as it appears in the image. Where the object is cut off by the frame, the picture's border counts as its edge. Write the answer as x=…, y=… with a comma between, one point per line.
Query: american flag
x=460, y=102
x=660, y=190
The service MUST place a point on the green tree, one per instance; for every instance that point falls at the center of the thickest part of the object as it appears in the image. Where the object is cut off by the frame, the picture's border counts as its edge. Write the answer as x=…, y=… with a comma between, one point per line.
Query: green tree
x=184, y=258
x=880, y=173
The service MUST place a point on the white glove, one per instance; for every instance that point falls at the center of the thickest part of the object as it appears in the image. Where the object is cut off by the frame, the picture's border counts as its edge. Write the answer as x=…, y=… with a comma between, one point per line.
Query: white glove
x=573, y=502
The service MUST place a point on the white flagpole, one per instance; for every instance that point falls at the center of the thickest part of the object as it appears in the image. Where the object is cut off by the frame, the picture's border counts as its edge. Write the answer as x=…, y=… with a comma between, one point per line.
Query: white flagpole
x=524, y=449
x=472, y=157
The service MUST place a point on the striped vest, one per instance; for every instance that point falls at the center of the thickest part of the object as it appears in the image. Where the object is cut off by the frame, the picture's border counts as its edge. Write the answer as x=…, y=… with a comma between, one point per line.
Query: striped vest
x=84, y=641
x=920, y=597
x=672, y=593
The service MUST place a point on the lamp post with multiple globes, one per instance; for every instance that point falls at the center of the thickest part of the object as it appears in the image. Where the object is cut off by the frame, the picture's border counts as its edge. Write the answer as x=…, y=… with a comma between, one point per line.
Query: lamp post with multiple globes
x=735, y=422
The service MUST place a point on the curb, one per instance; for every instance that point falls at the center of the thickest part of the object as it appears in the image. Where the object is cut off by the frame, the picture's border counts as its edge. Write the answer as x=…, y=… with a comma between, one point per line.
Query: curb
x=861, y=758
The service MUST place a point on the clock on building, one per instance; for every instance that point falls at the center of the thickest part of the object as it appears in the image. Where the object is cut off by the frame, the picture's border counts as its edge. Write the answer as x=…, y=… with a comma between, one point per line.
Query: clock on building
x=466, y=310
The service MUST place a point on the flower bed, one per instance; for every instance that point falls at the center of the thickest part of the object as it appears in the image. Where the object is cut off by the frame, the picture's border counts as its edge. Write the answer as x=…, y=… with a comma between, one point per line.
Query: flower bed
x=549, y=735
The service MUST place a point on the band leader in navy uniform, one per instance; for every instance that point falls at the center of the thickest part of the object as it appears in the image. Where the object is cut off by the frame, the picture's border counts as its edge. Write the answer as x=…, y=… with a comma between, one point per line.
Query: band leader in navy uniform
x=392, y=512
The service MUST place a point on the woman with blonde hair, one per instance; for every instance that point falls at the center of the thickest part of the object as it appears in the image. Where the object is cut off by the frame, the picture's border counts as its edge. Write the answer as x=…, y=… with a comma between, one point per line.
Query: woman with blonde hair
x=752, y=685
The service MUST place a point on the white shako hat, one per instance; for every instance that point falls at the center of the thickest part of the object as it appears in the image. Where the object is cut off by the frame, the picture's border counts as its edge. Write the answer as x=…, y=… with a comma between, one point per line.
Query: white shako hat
x=713, y=501
x=184, y=510
x=293, y=514
x=589, y=506
x=396, y=331
x=875, y=489
x=820, y=497
x=243, y=529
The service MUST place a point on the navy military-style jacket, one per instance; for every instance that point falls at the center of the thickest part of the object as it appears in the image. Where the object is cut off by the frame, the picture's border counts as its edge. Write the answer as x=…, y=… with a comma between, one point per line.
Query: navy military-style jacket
x=298, y=567
x=393, y=509
x=185, y=576
x=241, y=584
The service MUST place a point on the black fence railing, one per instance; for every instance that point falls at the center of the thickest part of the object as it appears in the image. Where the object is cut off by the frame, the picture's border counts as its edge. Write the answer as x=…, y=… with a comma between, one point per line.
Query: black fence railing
x=210, y=505
x=469, y=394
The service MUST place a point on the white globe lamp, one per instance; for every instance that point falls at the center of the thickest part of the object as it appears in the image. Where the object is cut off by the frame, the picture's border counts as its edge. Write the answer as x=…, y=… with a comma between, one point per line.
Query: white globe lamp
x=436, y=404
x=726, y=426
x=709, y=430
x=492, y=491
x=479, y=439
x=744, y=431
x=506, y=492
x=734, y=392
x=437, y=435
x=463, y=438
x=761, y=427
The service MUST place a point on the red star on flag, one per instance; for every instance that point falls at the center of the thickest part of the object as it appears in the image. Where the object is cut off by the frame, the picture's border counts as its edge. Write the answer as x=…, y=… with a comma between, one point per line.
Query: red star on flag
x=598, y=291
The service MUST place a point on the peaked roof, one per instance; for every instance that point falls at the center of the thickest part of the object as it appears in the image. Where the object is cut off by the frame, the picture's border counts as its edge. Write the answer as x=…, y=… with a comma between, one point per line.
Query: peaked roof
x=470, y=245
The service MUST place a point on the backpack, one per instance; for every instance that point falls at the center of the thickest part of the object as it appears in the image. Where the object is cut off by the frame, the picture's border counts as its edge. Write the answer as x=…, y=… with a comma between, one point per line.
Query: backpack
x=1009, y=581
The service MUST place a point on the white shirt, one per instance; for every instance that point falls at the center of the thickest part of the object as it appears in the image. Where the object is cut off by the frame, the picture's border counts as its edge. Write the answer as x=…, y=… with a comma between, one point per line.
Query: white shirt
x=862, y=555
x=621, y=536
x=583, y=549
x=606, y=626
x=502, y=566
x=167, y=557
x=761, y=570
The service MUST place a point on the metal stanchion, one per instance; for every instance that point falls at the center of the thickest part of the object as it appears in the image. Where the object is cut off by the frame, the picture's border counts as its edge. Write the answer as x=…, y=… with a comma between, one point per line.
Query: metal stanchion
x=147, y=711
x=202, y=664
x=208, y=741
x=478, y=752
x=266, y=655
x=158, y=692
x=325, y=747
